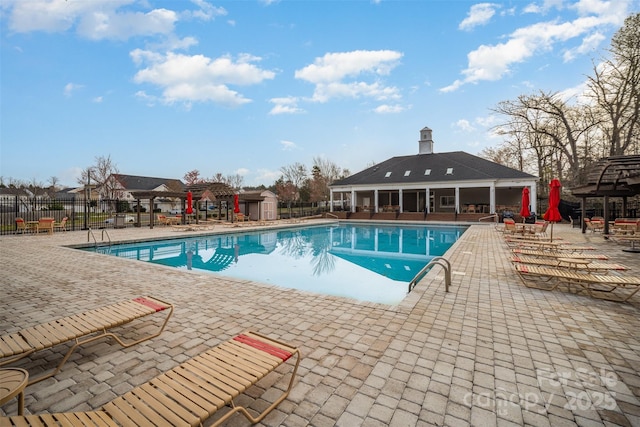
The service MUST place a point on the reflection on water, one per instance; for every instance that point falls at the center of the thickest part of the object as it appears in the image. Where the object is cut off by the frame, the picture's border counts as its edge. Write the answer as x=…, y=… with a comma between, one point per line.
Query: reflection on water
x=366, y=262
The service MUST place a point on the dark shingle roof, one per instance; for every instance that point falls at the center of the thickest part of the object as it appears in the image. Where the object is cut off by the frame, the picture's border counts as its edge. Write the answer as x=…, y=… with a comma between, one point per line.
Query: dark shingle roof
x=465, y=167
x=133, y=182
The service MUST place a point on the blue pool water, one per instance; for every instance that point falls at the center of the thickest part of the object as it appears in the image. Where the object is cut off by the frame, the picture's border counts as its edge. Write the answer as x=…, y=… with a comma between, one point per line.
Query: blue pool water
x=367, y=262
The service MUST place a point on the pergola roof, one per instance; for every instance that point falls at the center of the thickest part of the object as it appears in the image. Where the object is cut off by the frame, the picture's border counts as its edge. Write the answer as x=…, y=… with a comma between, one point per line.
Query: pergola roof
x=217, y=190
x=615, y=176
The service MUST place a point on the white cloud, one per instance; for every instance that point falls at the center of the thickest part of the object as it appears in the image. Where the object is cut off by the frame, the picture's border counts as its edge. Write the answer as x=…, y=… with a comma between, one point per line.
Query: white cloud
x=544, y=7
x=336, y=66
x=288, y=145
x=493, y=62
x=326, y=91
x=286, y=105
x=70, y=88
x=329, y=73
x=389, y=109
x=101, y=19
x=488, y=121
x=479, y=14
x=266, y=175
x=197, y=78
x=97, y=100
x=242, y=171
x=589, y=44
x=121, y=26
x=464, y=125
x=205, y=11
x=149, y=100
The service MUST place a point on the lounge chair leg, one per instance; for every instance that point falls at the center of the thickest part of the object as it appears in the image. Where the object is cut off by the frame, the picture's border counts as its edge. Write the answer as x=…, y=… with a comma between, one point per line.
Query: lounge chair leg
x=104, y=334
x=266, y=412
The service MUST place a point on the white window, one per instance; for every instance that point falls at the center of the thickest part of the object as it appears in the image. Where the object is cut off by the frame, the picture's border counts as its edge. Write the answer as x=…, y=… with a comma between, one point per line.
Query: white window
x=447, y=201
x=427, y=171
x=407, y=173
x=387, y=175
x=449, y=171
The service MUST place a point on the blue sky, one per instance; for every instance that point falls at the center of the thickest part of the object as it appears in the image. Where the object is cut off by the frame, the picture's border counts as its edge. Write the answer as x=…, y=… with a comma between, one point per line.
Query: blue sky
x=246, y=87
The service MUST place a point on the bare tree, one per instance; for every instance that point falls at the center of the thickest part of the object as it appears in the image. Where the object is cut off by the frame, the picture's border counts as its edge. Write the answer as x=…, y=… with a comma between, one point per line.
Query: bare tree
x=615, y=90
x=295, y=173
x=104, y=175
x=234, y=181
x=554, y=129
x=193, y=177
x=218, y=177
x=53, y=183
x=323, y=173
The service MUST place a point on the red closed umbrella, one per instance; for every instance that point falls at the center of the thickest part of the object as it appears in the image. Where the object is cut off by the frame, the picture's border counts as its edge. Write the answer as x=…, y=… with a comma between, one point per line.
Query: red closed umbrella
x=553, y=214
x=524, y=210
x=236, y=204
x=189, y=210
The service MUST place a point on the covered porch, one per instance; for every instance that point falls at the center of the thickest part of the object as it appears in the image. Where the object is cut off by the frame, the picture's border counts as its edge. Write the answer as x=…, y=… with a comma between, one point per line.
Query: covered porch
x=471, y=200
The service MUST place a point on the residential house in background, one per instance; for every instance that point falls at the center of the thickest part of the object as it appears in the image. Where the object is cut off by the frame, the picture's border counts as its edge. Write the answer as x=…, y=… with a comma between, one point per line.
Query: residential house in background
x=126, y=185
x=436, y=185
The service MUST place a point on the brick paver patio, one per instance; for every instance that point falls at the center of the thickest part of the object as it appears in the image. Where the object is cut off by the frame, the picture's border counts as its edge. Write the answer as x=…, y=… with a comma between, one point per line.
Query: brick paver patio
x=491, y=352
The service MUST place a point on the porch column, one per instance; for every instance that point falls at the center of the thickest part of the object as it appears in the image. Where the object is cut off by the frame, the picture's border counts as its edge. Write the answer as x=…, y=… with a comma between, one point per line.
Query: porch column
x=427, y=201
x=533, y=199
x=151, y=214
x=353, y=201
x=375, y=200
x=492, y=198
x=457, y=192
x=331, y=201
x=400, y=201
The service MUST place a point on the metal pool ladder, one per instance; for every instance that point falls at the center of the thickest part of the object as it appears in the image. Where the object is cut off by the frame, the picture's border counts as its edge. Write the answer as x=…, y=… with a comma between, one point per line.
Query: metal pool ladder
x=95, y=241
x=442, y=262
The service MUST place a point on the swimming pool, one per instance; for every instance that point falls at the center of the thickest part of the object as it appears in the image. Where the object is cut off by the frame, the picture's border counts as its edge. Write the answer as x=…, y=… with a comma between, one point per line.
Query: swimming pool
x=367, y=262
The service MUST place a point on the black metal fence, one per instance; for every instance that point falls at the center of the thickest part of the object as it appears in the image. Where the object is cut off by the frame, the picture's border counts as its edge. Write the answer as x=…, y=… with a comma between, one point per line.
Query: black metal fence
x=100, y=214
x=80, y=214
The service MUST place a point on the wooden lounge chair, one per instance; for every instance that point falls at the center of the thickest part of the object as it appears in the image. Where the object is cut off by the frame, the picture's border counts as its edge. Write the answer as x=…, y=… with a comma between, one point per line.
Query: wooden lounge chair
x=240, y=217
x=508, y=226
x=587, y=264
x=549, y=246
x=597, y=285
x=45, y=224
x=62, y=225
x=190, y=393
x=565, y=254
x=594, y=225
x=538, y=230
x=162, y=220
x=81, y=328
x=21, y=226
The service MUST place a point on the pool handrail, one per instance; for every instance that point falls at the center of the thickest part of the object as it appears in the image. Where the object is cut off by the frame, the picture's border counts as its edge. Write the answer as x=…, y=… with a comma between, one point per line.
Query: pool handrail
x=95, y=241
x=495, y=217
x=434, y=261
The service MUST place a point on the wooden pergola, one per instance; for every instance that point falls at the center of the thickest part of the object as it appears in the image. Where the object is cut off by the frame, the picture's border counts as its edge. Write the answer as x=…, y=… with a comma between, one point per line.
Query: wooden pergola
x=213, y=191
x=615, y=176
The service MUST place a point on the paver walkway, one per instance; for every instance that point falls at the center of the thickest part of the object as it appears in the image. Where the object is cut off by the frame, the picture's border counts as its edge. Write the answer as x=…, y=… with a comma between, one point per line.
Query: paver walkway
x=489, y=353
